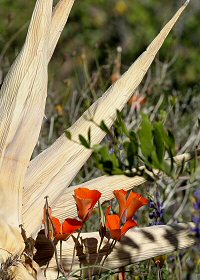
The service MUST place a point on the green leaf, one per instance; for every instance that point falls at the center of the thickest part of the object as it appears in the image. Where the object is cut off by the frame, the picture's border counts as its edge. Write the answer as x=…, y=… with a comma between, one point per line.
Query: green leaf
x=108, y=162
x=134, y=141
x=167, y=168
x=146, y=137
x=121, y=124
x=131, y=149
x=108, y=166
x=68, y=134
x=171, y=142
x=104, y=127
x=84, y=142
x=130, y=155
x=168, y=139
x=104, y=153
x=89, y=136
x=158, y=141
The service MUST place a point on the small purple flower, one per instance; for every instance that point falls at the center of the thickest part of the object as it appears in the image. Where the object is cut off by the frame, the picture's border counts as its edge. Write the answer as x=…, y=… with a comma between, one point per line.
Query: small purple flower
x=196, y=219
x=197, y=194
x=120, y=147
x=196, y=205
x=111, y=150
x=157, y=210
x=123, y=157
x=196, y=215
x=151, y=204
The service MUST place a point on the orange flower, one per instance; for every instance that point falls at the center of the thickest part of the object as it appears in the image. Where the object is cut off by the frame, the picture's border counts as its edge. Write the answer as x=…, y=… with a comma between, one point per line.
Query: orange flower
x=86, y=200
x=118, y=225
x=137, y=99
x=117, y=231
x=65, y=230
x=129, y=206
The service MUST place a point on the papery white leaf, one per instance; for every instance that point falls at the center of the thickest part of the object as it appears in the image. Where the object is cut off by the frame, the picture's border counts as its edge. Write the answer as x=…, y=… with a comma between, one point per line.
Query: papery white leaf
x=138, y=245
x=22, y=102
x=59, y=18
x=105, y=184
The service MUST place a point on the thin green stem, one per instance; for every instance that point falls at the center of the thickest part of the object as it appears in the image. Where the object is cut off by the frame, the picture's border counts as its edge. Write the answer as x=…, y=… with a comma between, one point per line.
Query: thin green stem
x=61, y=263
x=74, y=251
x=99, y=247
x=56, y=257
x=112, y=245
x=86, y=267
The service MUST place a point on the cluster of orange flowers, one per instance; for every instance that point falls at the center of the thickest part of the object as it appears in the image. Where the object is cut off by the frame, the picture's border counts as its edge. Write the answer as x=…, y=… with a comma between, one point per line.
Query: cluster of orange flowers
x=119, y=224
x=116, y=224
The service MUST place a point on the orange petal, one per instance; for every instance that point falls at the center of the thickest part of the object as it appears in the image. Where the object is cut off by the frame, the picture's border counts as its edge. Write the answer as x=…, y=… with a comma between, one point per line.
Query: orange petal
x=86, y=200
x=62, y=237
x=137, y=196
x=85, y=193
x=128, y=225
x=66, y=229
x=112, y=222
x=134, y=202
x=71, y=225
x=121, y=198
x=57, y=225
x=116, y=234
x=83, y=206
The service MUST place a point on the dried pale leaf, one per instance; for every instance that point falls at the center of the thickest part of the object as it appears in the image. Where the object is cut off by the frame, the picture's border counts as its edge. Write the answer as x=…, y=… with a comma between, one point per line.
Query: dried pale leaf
x=54, y=169
x=11, y=242
x=25, y=83
x=19, y=272
x=22, y=102
x=59, y=19
x=105, y=184
x=138, y=245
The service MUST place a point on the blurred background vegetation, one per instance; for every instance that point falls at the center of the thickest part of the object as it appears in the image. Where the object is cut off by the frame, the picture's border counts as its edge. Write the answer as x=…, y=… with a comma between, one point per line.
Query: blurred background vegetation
x=101, y=40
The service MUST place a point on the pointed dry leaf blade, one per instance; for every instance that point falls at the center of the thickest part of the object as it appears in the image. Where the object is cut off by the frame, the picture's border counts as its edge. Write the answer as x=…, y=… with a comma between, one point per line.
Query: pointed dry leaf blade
x=105, y=184
x=59, y=18
x=19, y=82
x=22, y=102
x=138, y=245
x=20, y=77
x=11, y=241
x=55, y=168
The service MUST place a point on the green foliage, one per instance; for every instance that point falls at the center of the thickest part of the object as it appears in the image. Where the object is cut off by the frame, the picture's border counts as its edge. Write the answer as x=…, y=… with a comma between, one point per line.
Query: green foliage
x=68, y=134
x=146, y=138
x=151, y=146
x=84, y=141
